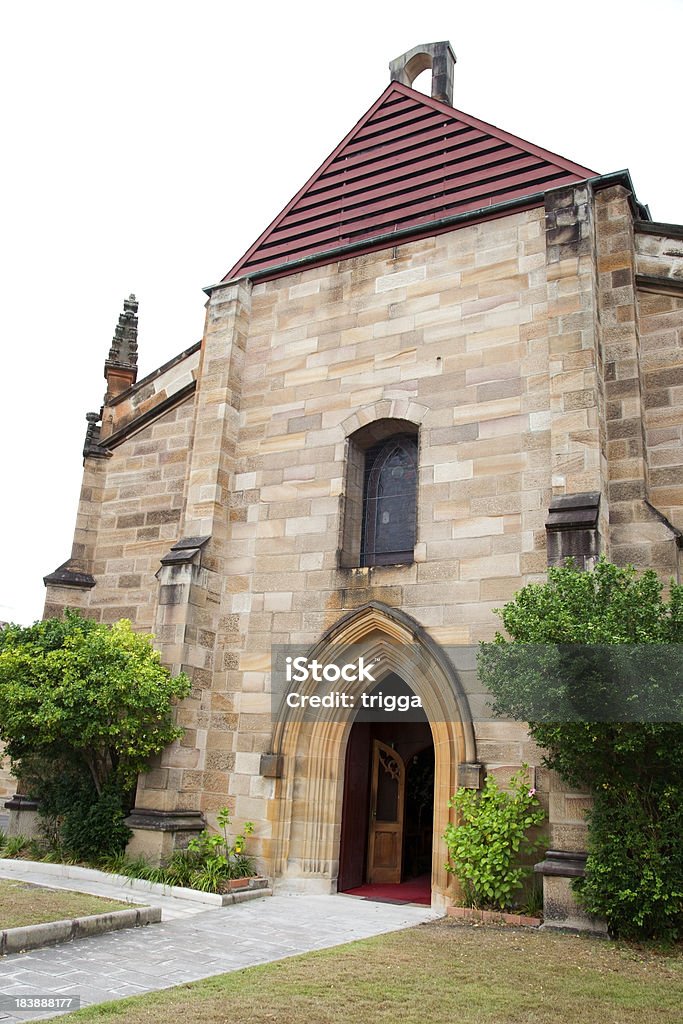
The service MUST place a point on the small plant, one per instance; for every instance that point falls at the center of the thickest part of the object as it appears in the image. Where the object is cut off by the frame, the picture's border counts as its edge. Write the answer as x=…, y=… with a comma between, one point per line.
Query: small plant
x=486, y=847
x=207, y=864
x=213, y=859
x=531, y=903
x=14, y=846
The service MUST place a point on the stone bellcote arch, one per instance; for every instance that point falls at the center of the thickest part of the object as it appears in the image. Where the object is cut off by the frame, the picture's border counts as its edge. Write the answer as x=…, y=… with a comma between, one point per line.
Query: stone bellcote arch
x=308, y=800
x=437, y=56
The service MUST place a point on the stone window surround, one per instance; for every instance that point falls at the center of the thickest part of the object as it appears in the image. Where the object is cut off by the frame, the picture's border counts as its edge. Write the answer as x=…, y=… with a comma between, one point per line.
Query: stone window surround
x=358, y=443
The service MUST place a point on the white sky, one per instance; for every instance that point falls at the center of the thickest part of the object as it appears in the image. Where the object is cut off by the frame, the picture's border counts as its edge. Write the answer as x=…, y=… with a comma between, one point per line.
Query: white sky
x=147, y=144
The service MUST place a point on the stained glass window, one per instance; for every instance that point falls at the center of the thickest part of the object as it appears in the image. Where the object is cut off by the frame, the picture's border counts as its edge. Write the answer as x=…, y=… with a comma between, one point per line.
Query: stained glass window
x=390, y=502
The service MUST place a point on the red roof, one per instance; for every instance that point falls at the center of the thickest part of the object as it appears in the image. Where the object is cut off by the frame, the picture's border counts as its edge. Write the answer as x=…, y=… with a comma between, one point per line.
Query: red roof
x=409, y=161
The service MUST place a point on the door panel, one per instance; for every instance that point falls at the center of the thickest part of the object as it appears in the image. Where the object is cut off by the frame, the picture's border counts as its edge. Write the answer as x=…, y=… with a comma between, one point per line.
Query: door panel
x=387, y=797
x=354, y=835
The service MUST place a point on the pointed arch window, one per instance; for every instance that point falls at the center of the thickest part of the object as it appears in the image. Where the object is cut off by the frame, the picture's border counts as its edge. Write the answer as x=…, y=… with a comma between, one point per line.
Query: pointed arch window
x=389, y=518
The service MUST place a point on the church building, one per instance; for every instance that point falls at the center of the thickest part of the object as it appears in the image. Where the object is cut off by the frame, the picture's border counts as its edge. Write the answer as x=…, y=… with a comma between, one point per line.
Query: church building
x=453, y=359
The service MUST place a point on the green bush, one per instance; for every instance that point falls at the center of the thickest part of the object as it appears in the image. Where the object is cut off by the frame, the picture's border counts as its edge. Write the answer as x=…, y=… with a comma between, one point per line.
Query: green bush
x=489, y=841
x=622, y=636
x=634, y=872
x=83, y=708
x=96, y=828
x=77, y=822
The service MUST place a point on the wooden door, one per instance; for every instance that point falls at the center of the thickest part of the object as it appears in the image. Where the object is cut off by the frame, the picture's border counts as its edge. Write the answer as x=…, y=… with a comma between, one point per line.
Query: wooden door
x=387, y=796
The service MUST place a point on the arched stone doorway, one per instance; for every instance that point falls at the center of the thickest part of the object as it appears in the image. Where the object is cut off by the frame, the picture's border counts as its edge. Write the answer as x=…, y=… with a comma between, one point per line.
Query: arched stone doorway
x=388, y=802
x=309, y=796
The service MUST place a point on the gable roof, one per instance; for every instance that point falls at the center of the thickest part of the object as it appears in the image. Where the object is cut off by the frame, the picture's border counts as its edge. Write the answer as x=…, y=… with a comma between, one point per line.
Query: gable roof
x=410, y=160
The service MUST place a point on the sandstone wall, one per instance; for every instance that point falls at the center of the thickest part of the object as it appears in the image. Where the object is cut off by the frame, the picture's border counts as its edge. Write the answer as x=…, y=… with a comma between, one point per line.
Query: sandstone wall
x=484, y=341
x=659, y=266
x=8, y=784
x=129, y=516
x=533, y=359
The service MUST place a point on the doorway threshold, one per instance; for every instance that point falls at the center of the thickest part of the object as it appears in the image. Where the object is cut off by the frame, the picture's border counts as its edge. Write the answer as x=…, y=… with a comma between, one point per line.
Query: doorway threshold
x=415, y=890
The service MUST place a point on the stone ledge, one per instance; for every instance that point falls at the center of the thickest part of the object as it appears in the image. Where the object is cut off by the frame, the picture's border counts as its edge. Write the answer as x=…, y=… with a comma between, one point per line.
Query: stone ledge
x=21, y=803
x=166, y=821
x=33, y=936
x=561, y=910
x=65, y=576
x=562, y=864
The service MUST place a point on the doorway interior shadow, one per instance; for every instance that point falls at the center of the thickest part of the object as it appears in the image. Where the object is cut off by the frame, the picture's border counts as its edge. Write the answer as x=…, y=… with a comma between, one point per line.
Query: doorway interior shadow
x=388, y=806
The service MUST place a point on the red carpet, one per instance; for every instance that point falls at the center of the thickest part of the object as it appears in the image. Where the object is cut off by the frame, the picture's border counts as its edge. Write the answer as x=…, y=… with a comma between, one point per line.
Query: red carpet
x=417, y=890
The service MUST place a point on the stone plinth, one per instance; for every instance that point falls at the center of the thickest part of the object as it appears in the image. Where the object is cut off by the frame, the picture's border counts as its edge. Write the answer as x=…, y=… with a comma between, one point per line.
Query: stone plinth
x=560, y=908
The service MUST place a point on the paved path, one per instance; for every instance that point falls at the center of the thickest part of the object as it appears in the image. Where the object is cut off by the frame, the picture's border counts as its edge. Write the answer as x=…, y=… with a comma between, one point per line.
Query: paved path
x=212, y=942
x=32, y=871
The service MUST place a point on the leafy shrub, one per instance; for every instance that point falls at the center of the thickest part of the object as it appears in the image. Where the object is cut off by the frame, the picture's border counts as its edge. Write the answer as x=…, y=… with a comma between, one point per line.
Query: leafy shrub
x=83, y=708
x=95, y=828
x=94, y=695
x=631, y=762
x=77, y=822
x=486, y=846
x=635, y=882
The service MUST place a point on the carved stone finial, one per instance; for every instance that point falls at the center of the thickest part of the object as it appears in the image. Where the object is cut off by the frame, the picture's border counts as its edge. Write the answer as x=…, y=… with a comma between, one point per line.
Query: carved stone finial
x=121, y=367
x=124, y=346
x=92, y=437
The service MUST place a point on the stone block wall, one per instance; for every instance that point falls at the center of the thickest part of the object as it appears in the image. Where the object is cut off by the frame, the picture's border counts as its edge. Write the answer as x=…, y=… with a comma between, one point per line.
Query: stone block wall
x=532, y=361
x=129, y=516
x=8, y=784
x=151, y=393
x=440, y=333
x=659, y=281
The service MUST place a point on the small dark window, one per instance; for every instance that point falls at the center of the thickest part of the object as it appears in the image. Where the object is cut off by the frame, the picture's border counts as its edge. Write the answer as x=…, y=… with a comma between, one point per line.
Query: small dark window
x=390, y=502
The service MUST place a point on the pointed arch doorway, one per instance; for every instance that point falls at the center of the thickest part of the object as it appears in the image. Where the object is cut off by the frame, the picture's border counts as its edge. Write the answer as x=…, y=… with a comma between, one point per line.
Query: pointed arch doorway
x=307, y=810
x=388, y=805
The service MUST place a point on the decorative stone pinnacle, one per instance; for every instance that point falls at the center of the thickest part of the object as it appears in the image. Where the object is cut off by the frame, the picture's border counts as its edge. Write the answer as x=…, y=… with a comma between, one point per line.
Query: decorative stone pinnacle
x=92, y=437
x=124, y=346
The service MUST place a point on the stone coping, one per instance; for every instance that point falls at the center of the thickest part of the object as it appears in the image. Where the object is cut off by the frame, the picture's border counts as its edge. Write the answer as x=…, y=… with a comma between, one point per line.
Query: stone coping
x=33, y=936
x=255, y=887
x=563, y=864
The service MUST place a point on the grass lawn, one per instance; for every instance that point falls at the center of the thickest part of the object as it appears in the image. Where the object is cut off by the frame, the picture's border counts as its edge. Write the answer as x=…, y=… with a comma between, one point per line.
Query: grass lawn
x=434, y=974
x=22, y=903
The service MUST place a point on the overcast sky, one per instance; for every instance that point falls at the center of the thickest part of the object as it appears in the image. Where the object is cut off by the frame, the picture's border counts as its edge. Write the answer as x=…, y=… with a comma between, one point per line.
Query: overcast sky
x=147, y=144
